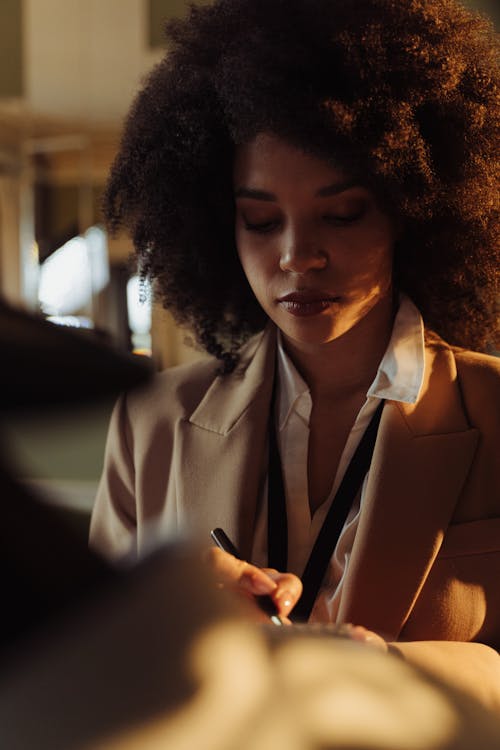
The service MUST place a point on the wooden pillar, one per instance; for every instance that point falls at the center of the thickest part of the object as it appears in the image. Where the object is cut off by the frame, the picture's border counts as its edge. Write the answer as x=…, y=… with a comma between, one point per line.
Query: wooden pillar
x=10, y=267
x=18, y=250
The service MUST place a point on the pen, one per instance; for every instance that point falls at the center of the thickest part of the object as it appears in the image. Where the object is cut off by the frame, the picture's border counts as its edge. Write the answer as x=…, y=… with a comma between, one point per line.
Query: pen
x=265, y=602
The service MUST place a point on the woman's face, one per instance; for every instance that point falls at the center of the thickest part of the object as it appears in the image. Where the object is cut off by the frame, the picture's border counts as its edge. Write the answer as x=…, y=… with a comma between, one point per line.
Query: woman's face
x=315, y=246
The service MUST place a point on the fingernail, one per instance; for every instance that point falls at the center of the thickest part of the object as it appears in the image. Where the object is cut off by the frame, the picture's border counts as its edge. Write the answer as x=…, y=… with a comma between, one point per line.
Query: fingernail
x=285, y=599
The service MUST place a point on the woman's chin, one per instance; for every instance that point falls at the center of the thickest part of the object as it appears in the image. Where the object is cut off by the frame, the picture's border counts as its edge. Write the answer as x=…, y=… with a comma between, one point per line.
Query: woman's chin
x=308, y=332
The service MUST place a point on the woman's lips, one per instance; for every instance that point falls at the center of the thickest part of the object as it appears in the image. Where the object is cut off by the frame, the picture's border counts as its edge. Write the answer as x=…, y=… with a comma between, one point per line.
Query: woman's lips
x=307, y=302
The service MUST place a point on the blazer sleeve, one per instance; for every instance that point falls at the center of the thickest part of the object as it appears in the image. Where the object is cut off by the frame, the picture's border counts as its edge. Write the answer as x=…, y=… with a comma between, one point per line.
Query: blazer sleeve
x=114, y=518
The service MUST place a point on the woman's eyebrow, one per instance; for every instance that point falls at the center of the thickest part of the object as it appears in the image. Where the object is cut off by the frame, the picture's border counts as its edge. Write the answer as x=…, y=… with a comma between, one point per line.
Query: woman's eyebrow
x=324, y=192
x=258, y=195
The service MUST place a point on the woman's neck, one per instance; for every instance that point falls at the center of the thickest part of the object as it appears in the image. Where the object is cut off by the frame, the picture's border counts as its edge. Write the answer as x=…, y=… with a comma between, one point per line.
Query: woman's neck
x=347, y=365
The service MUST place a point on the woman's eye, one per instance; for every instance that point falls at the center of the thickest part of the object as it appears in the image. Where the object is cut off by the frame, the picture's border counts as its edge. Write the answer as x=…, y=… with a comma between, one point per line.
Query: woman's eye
x=349, y=218
x=262, y=227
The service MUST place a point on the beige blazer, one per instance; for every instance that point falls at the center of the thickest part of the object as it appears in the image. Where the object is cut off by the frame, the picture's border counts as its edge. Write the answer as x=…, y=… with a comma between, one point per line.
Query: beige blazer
x=189, y=452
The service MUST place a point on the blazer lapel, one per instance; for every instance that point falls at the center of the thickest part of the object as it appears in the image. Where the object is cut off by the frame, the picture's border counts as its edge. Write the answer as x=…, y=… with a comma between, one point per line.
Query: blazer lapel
x=420, y=463
x=220, y=466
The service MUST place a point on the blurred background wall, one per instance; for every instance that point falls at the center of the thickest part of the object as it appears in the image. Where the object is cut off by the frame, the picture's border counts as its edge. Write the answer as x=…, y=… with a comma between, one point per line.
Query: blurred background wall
x=68, y=72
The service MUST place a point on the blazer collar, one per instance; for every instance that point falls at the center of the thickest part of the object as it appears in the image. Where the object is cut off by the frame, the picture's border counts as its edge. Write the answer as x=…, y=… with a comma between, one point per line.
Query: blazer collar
x=229, y=396
x=420, y=463
x=221, y=465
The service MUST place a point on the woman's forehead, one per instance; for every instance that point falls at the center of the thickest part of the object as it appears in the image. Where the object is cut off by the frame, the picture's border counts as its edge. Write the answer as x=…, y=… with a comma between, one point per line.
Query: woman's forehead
x=269, y=158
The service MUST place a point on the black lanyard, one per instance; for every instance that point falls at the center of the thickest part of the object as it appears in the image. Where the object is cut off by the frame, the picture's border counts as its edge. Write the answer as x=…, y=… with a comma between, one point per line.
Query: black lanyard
x=277, y=532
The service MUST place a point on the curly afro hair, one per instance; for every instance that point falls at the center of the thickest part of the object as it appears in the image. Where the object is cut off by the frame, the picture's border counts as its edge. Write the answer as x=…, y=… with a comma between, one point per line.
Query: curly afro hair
x=404, y=93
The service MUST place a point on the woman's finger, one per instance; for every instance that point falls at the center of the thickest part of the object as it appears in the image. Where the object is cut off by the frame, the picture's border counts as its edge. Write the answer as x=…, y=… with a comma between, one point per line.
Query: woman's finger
x=231, y=571
x=284, y=588
x=288, y=590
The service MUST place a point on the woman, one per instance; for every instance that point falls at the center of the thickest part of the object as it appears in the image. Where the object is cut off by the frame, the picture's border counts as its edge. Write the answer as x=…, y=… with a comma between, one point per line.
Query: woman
x=321, y=175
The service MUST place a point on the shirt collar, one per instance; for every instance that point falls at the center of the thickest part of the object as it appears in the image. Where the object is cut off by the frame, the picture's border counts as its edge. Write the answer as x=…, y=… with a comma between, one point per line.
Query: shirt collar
x=293, y=392
x=399, y=376
x=401, y=371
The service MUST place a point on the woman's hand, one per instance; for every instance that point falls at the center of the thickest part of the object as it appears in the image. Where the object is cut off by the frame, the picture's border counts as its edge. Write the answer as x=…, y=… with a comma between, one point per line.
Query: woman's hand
x=249, y=581
x=285, y=589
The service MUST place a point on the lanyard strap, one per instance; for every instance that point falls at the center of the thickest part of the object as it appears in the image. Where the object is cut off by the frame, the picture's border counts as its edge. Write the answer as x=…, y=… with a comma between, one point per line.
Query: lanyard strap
x=277, y=525
x=333, y=524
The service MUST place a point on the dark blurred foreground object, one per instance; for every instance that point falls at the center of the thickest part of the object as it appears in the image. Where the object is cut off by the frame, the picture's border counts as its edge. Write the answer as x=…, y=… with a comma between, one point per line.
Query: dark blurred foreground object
x=45, y=364
x=162, y=659
x=45, y=568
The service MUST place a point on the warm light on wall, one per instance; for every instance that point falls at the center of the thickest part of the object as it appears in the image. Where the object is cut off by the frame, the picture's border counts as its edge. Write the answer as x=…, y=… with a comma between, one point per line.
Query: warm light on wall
x=65, y=279
x=74, y=273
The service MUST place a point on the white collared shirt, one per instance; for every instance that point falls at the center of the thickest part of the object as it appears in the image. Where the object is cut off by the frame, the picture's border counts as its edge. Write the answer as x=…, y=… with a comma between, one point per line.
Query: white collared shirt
x=399, y=378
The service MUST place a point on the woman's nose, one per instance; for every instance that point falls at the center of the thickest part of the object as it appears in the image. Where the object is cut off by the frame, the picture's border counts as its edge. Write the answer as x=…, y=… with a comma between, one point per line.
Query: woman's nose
x=302, y=255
